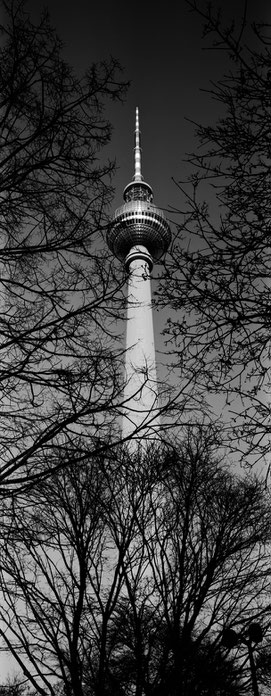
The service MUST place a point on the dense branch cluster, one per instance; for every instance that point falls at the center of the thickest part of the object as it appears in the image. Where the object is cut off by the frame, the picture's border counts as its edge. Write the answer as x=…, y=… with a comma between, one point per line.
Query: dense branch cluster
x=58, y=364
x=118, y=577
x=218, y=277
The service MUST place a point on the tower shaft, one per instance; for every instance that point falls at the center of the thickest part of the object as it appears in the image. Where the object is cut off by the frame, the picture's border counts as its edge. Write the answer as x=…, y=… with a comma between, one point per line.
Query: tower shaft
x=140, y=390
x=139, y=235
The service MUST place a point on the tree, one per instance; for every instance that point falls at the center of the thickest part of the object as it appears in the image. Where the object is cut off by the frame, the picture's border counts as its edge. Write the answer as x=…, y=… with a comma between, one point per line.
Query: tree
x=59, y=584
x=13, y=687
x=59, y=369
x=217, y=278
x=203, y=557
x=117, y=576
x=263, y=667
x=205, y=669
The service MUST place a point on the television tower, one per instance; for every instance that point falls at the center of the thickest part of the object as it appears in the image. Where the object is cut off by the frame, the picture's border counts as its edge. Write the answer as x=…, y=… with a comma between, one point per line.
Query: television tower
x=138, y=236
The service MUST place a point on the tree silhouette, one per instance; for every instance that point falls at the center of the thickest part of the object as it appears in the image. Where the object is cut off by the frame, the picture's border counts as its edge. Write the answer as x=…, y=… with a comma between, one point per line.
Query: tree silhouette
x=118, y=575
x=217, y=279
x=59, y=370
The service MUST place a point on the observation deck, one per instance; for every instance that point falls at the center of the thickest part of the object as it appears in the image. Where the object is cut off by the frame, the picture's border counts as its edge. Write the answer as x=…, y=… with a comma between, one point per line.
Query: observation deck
x=138, y=222
x=135, y=223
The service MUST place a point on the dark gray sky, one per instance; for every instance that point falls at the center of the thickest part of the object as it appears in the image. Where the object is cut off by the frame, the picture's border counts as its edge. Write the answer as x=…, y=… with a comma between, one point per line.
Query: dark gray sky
x=160, y=48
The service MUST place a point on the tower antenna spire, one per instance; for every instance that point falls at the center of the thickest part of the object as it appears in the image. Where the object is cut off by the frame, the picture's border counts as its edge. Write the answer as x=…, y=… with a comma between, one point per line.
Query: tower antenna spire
x=139, y=235
x=137, y=149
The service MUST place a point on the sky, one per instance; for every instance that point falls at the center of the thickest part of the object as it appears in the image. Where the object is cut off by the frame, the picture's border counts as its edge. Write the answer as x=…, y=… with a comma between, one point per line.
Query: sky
x=163, y=56
x=165, y=59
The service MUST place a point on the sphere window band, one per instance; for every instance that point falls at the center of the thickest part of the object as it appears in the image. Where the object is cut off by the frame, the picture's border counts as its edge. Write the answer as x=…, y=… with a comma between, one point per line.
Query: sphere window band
x=152, y=232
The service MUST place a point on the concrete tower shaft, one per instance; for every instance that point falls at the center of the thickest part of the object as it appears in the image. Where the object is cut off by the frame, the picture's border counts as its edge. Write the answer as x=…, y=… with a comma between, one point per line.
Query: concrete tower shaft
x=138, y=236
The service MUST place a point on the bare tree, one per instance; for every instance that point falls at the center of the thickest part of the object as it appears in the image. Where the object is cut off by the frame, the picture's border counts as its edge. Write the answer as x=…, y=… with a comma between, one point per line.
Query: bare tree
x=205, y=668
x=217, y=279
x=206, y=540
x=61, y=576
x=59, y=368
x=118, y=575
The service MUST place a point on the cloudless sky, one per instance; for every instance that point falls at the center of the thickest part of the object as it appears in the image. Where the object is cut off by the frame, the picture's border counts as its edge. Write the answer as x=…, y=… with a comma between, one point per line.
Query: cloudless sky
x=160, y=48
x=162, y=53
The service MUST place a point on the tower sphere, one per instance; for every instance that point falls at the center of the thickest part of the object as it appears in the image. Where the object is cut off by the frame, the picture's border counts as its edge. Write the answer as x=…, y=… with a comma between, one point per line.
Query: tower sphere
x=138, y=222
